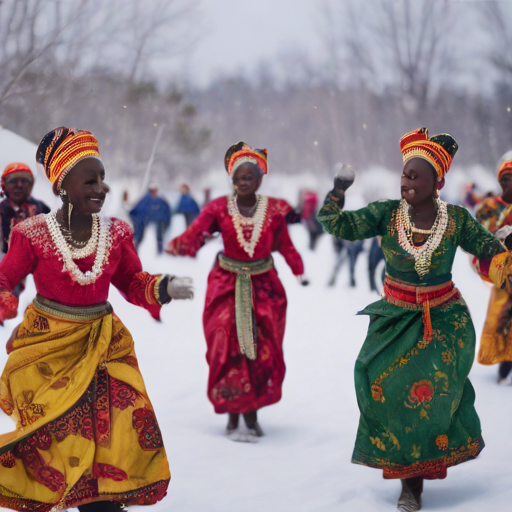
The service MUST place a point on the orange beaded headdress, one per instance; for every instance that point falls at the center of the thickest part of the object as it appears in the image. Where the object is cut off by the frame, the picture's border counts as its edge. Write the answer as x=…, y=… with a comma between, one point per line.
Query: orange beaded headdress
x=16, y=167
x=61, y=149
x=505, y=165
x=438, y=150
x=241, y=153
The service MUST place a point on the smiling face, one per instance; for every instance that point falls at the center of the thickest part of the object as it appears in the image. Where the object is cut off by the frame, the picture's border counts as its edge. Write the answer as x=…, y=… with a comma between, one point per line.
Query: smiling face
x=18, y=186
x=418, y=182
x=506, y=187
x=246, y=180
x=86, y=187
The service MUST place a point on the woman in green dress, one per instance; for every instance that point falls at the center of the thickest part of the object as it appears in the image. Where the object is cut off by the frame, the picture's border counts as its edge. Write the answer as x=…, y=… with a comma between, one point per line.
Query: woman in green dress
x=411, y=376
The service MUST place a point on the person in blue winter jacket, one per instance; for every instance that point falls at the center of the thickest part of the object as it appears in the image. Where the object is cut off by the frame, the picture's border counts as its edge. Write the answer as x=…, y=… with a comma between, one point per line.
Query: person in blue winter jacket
x=187, y=205
x=151, y=209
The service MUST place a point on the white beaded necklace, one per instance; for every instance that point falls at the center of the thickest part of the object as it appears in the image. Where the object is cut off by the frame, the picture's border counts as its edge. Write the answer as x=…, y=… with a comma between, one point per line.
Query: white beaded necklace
x=256, y=221
x=423, y=253
x=68, y=253
x=90, y=246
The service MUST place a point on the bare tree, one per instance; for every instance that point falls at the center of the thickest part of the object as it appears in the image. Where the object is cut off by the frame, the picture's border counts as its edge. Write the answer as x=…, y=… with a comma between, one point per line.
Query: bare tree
x=154, y=32
x=126, y=36
x=399, y=44
x=100, y=65
x=29, y=29
x=496, y=18
x=343, y=32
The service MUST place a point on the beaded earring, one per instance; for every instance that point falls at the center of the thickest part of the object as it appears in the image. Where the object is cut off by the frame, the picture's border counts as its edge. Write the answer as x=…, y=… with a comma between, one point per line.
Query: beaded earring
x=70, y=209
x=65, y=199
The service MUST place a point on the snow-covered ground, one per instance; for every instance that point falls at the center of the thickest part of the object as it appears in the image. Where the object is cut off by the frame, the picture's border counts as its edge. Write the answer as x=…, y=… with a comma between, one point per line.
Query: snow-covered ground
x=303, y=462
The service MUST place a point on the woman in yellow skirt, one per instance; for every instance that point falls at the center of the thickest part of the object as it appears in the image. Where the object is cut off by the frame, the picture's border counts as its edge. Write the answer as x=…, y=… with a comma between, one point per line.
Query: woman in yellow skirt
x=86, y=433
x=495, y=214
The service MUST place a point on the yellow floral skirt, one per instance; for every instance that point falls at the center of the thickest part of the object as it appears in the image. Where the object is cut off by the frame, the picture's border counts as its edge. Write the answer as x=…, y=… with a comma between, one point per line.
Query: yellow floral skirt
x=85, y=427
x=496, y=340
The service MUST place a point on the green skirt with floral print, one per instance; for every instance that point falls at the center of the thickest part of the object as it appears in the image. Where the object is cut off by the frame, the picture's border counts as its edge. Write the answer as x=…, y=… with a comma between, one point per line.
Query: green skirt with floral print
x=416, y=401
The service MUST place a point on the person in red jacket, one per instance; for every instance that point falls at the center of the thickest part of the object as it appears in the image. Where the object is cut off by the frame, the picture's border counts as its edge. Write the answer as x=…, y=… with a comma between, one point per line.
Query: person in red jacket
x=245, y=310
x=308, y=211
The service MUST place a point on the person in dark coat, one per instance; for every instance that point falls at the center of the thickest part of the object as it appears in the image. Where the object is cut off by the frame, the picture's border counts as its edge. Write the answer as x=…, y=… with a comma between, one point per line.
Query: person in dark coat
x=374, y=257
x=346, y=249
x=187, y=205
x=151, y=209
x=17, y=181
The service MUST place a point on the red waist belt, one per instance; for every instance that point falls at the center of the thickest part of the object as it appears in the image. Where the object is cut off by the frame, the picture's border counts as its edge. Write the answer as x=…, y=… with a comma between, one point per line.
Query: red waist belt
x=419, y=297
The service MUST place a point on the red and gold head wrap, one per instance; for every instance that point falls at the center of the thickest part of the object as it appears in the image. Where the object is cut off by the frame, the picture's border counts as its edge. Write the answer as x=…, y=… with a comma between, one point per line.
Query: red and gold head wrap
x=61, y=149
x=505, y=165
x=241, y=153
x=438, y=150
x=16, y=167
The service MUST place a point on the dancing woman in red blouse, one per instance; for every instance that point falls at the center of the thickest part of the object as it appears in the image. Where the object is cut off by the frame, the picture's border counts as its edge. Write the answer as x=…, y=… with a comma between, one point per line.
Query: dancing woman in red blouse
x=86, y=434
x=245, y=310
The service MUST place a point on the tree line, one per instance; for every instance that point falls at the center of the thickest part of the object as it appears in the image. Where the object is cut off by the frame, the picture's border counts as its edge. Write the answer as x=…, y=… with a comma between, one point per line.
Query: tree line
x=387, y=67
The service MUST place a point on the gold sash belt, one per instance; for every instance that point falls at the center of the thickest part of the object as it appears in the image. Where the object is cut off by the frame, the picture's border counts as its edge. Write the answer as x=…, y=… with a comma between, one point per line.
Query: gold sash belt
x=243, y=298
x=72, y=313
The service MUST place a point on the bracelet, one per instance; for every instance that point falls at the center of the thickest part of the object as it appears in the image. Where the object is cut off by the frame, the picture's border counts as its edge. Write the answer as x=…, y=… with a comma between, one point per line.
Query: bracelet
x=158, y=295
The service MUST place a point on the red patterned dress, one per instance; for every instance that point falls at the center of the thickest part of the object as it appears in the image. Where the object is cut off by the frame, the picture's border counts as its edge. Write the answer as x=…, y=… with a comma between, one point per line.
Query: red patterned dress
x=237, y=384
x=85, y=427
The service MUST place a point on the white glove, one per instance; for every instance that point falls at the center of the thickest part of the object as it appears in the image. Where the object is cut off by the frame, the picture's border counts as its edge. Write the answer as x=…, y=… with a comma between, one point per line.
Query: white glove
x=303, y=280
x=503, y=232
x=180, y=288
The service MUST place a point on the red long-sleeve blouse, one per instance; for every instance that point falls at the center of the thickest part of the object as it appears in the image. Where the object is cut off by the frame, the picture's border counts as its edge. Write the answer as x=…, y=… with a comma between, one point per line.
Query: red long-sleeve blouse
x=215, y=217
x=33, y=251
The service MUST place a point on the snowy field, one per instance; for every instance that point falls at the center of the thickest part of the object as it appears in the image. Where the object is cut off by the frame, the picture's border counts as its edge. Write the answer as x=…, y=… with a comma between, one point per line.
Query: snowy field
x=303, y=462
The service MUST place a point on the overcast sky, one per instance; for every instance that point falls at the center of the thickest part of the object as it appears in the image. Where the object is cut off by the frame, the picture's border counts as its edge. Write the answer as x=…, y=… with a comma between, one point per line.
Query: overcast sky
x=239, y=33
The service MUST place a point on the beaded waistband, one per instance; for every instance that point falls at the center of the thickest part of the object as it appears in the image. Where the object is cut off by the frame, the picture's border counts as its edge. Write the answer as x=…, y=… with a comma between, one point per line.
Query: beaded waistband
x=73, y=313
x=249, y=268
x=398, y=293
x=419, y=298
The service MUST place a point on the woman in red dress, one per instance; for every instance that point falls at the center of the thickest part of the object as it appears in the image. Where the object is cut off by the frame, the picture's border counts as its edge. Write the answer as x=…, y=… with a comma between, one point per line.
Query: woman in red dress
x=86, y=433
x=245, y=310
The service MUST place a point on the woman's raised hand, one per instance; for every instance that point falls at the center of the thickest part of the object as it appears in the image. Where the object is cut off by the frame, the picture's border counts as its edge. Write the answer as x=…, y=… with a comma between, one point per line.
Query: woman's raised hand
x=344, y=178
x=342, y=181
x=180, y=288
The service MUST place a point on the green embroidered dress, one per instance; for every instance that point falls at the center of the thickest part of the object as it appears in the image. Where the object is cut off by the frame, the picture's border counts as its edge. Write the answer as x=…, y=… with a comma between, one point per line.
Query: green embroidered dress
x=416, y=401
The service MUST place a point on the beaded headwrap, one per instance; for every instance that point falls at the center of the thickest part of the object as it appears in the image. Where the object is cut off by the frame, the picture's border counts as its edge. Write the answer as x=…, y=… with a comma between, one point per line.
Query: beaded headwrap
x=61, y=149
x=438, y=150
x=241, y=153
x=505, y=165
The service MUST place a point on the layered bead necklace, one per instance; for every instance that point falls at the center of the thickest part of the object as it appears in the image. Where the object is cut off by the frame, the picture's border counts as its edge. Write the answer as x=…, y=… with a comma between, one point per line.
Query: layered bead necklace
x=423, y=253
x=241, y=222
x=78, y=249
x=98, y=242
